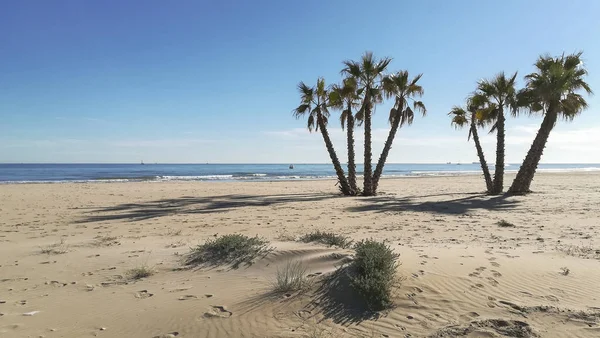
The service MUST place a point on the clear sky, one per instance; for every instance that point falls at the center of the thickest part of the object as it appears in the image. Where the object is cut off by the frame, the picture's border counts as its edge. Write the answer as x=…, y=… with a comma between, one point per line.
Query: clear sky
x=215, y=81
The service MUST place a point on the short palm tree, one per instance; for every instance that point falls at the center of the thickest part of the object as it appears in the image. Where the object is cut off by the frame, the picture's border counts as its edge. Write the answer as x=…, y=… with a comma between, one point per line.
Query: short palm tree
x=345, y=98
x=551, y=91
x=405, y=92
x=313, y=102
x=368, y=73
x=500, y=93
x=462, y=117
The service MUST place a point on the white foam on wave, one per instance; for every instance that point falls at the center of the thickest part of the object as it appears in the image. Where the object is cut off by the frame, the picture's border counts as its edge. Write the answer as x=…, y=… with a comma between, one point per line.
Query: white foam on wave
x=563, y=170
x=195, y=178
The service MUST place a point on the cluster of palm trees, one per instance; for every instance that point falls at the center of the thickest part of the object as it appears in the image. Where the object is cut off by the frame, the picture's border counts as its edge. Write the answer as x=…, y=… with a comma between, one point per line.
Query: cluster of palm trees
x=552, y=91
x=366, y=84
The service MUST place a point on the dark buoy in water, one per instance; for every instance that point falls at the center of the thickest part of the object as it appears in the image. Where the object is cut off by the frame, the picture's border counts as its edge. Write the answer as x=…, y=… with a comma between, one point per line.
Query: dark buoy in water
x=291, y=166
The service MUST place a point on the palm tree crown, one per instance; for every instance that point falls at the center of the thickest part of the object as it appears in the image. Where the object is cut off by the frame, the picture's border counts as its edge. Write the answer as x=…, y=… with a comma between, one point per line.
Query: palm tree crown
x=554, y=87
x=313, y=101
x=403, y=90
x=495, y=94
x=344, y=97
x=367, y=73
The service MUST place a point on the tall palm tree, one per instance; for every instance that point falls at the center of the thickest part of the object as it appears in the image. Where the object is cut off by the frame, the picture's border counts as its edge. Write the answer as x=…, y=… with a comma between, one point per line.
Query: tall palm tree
x=404, y=91
x=462, y=117
x=368, y=72
x=345, y=98
x=501, y=93
x=313, y=102
x=553, y=92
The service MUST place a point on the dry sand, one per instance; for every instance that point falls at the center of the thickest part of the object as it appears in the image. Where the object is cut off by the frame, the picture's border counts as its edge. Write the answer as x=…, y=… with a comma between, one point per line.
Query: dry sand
x=65, y=250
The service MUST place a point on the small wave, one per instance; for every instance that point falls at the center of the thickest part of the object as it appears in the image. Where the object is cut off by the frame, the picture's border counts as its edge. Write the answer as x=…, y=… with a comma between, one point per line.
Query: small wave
x=564, y=170
x=195, y=178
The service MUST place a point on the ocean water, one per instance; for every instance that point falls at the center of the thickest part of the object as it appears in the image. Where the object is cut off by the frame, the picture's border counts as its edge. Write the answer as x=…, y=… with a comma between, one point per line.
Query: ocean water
x=32, y=173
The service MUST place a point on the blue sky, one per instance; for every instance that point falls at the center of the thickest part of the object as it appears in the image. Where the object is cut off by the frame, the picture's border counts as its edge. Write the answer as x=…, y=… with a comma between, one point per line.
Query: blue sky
x=215, y=81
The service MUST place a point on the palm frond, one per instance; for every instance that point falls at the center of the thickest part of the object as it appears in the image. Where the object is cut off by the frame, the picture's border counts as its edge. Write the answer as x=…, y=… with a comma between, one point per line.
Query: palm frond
x=419, y=106
x=301, y=110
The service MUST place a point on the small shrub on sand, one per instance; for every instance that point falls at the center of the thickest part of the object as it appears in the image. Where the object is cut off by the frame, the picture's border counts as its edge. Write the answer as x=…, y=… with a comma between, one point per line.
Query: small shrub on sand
x=140, y=272
x=233, y=249
x=56, y=248
x=106, y=241
x=328, y=238
x=582, y=251
x=375, y=268
x=505, y=224
x=291, y=278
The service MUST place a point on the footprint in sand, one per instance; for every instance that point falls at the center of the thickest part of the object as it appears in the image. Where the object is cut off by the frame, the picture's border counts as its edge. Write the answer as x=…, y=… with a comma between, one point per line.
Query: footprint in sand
x=218, y=311
x=474, y=274
x=496, y=273
x=552, y=298
x=495, y=264
x=143, y=294
x=492, y=281
x=481, y=268
x=477, y=286
x=187, y=297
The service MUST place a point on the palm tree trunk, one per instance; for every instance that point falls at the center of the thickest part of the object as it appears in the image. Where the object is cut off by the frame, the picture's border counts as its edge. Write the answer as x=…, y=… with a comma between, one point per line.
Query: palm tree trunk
x=351, y=154
x=499, y=171
x=484, y=166
x=334, y=159
x=384, y=154
x=368, y=171
x=525, y=175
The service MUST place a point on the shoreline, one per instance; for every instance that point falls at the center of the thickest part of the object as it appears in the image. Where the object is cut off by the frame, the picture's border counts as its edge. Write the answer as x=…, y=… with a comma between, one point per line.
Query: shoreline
x=544, y=172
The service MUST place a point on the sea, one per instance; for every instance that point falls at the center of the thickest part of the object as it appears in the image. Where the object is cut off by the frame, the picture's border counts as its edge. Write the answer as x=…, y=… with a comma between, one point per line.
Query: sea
x=58, y=173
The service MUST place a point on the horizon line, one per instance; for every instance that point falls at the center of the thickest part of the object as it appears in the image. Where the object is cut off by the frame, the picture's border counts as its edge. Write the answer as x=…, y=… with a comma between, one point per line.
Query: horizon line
x=272, y=163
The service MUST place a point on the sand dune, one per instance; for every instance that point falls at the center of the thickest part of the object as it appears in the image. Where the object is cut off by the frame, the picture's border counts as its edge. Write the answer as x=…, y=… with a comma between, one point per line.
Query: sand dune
x=65, y=252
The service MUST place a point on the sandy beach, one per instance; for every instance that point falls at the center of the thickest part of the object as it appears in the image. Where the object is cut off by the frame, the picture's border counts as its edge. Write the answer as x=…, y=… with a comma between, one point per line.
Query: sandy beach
x=65, y=250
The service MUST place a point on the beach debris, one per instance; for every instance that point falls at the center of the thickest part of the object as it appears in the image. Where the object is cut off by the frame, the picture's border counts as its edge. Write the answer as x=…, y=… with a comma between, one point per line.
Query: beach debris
x=168, y=335
x=30, y=314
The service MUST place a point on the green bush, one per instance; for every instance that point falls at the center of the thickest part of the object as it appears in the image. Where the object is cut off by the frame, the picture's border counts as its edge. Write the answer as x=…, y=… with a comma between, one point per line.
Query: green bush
x=233, y=249
x=328, y=238
x=374, y=268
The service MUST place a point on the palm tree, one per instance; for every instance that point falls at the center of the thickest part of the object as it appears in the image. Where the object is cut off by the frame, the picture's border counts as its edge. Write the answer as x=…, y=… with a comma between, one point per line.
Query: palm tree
x=462, y=117
x=313, y=102
x=404, y=91
x=368, y=73
x=345, y=97
x=553, y=92
x=500, y=93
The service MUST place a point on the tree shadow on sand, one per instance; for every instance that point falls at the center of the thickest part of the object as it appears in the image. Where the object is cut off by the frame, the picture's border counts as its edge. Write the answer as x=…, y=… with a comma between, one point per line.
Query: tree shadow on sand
x=337, y=300
x=458, y=206
x=194, y=205
x=333, y=299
